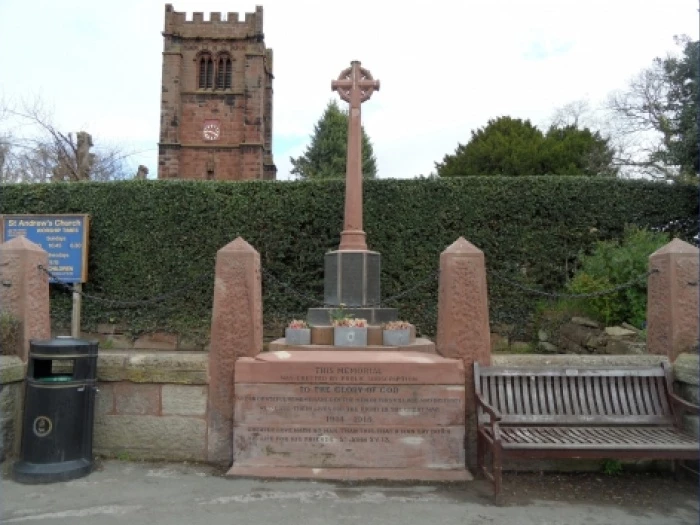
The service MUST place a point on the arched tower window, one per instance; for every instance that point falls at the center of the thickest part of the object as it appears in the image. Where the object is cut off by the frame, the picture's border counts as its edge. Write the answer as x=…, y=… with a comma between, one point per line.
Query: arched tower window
x=223, y=72
x=206, y=72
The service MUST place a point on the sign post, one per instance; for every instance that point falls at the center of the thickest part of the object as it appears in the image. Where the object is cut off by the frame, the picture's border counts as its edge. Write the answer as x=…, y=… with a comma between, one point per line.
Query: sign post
x=65, y=239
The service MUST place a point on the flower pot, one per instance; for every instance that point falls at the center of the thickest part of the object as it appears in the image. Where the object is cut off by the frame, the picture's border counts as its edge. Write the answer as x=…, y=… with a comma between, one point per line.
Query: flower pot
x=297, y=336
x=397, y=337
x=347, y=336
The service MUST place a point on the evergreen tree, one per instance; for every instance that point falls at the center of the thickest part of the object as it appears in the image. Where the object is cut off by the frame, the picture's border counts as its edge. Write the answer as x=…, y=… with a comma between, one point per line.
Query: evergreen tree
x=508, y=146
x=325, y=156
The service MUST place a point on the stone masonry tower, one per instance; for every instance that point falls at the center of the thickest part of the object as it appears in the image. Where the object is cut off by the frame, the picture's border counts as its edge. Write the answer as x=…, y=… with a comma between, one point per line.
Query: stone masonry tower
x=216, y=99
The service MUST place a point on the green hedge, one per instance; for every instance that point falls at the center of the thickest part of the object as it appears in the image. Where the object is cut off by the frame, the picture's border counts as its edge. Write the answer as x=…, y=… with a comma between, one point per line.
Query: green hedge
x=152, y=237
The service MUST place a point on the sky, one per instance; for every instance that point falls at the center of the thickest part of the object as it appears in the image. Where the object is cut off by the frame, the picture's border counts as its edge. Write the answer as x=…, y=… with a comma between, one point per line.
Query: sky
x=446, y=66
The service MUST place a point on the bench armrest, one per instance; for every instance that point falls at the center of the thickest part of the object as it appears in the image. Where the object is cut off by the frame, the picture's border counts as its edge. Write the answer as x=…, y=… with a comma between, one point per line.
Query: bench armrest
x=491, y=411
x=683, y=404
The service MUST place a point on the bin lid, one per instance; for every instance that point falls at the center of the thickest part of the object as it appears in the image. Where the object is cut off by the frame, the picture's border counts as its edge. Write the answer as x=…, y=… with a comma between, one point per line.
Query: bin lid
x=54, y=379
x=62, y=345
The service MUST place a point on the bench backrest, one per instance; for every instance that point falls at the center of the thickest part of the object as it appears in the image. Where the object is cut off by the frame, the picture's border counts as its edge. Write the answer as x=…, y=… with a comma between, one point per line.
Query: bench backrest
x=576, y=395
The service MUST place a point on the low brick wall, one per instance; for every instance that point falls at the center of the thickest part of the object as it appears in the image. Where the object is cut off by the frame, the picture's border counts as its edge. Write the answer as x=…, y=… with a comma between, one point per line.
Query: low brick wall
x=152, y=405
x=12, y=372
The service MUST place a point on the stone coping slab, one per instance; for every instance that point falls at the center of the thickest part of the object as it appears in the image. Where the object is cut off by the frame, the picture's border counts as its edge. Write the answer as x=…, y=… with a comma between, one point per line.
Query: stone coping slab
x=349, y=367
x=352, y=474
x=12, y=369
x=189, y=368
x=419, y=345
x=686, y=369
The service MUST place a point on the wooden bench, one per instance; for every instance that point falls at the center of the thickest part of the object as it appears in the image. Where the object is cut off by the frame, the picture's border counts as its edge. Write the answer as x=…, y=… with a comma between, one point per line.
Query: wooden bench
x=578, y=412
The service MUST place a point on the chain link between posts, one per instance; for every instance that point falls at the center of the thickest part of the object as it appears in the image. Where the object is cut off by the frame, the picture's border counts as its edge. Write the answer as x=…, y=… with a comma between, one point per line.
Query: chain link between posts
x=555, y=295
x=313, y=301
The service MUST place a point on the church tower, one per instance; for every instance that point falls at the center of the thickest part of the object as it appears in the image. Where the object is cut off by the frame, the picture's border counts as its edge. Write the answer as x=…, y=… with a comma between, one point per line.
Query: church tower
x=216, y=98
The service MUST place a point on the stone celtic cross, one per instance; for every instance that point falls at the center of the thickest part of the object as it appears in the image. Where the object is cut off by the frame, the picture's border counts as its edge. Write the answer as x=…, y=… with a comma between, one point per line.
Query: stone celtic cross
x=354, y=85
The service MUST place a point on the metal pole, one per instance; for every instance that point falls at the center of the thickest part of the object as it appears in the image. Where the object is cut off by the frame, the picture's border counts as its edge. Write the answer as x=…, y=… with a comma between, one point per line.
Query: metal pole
x=77, y=304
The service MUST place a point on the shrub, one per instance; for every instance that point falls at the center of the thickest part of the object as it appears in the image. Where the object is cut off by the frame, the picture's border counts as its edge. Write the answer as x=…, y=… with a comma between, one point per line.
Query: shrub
x=612, y=264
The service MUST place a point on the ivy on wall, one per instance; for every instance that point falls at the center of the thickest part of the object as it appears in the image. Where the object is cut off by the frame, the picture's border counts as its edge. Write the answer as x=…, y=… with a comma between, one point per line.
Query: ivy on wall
x=149, y=238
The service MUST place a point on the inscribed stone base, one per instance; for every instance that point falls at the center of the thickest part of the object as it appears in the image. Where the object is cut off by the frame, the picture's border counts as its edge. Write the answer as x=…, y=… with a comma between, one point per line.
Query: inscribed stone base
x=349, y=414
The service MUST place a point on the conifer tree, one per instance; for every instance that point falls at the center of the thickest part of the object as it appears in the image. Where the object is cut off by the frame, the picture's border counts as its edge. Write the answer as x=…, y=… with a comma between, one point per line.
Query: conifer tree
x=325, y=156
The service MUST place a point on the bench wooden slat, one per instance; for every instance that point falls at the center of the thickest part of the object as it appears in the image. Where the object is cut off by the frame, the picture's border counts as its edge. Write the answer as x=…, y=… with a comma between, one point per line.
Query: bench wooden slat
x=518, y=394
x=557, y=401
x=581, y=404
x=501, y=396
x=600, y=406
x=663, y=396
x=631, y=399
x=644, y=385
x=529, y=396
x=614, y=396
x=540, y=385
x=509, y=394
x=638, y=400
x=590, y=437
x=493, y=398
x=624, y=392
x=566, y=395
x=651, y=386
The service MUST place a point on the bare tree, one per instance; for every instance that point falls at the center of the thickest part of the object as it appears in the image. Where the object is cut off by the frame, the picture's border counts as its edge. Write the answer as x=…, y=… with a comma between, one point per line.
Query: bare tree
x=33, y=149
x=655, y=115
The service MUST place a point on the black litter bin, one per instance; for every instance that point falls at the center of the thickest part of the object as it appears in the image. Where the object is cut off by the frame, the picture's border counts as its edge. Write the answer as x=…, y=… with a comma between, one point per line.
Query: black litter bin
x=59, y=409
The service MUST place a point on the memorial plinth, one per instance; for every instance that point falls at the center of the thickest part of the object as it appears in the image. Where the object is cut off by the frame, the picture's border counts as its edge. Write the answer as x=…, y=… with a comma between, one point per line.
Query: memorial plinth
x=420, y=344
x=349, y=415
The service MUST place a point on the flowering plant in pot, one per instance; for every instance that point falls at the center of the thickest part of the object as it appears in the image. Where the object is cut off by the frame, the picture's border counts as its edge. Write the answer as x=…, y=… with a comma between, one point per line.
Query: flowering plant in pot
x=397, y=333
x=347, y=330
x=297, y=333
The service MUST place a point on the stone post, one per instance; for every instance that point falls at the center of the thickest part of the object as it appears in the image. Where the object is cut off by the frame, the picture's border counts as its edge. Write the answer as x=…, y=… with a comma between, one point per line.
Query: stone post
x=24, y=290
x=672, y=300
x=236, y=331
x=463, y=330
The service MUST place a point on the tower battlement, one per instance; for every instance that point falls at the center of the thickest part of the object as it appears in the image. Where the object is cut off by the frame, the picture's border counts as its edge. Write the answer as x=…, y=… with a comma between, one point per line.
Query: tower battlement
x=218, y=25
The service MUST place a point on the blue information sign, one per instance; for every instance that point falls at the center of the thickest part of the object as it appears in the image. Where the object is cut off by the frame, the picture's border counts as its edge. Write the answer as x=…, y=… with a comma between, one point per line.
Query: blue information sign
x=64, y=237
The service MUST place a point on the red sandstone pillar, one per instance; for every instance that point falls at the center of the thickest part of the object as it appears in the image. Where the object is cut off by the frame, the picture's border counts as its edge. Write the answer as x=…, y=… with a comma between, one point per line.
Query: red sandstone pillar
x=24, y=289
x=236, y=331
x=672, y=299
x=463, y=330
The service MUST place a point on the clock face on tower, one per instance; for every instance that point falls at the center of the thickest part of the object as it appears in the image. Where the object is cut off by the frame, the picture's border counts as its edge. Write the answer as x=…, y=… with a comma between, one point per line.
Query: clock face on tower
x=211, y=130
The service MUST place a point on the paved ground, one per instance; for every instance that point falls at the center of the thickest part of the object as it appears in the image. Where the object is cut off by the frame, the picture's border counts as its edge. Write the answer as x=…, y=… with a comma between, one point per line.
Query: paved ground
x=160, y=494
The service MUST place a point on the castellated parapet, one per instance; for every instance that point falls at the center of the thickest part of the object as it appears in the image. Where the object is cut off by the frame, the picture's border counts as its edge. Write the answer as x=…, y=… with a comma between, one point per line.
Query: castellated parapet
x=217, y=26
